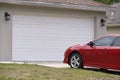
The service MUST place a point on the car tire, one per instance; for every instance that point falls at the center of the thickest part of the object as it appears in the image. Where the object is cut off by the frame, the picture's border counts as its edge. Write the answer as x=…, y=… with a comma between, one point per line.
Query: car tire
x=75, y=61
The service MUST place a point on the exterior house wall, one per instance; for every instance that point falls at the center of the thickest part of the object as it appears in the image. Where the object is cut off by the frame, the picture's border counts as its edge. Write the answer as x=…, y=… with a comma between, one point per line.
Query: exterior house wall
x=6, y=26
x=116, y=14
x=113, y=30
x=5, y=35
x=113, y=15
x=99, y=30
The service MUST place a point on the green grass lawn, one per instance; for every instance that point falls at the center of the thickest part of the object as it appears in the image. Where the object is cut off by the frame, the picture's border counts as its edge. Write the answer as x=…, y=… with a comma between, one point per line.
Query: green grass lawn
x=35, y=72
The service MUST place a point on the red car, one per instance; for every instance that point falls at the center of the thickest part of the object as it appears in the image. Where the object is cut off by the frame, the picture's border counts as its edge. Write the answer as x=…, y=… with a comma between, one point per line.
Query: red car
x=103, y=53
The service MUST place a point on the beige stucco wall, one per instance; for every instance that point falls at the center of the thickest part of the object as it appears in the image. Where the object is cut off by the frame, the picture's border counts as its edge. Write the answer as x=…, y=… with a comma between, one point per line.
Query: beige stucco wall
x=113, y=30
x=6, y=26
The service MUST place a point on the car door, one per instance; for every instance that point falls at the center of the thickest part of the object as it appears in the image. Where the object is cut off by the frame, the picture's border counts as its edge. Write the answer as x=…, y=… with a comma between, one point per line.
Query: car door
x=114, y=55
x=98, y=53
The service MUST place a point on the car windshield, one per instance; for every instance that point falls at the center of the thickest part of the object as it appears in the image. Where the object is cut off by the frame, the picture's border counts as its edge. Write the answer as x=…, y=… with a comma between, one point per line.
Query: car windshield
x=104, y=41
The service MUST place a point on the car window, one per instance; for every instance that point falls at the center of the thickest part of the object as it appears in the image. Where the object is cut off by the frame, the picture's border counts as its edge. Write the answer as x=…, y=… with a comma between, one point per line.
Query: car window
x=117, y=42
x=104, y=41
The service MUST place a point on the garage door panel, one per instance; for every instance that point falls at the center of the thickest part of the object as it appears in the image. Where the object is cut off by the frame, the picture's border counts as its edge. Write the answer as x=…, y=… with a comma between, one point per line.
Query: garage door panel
x=45, y=37
x=38, y=56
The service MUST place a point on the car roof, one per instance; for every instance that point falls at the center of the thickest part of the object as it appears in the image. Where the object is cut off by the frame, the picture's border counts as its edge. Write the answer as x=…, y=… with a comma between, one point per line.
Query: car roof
x=116, y=35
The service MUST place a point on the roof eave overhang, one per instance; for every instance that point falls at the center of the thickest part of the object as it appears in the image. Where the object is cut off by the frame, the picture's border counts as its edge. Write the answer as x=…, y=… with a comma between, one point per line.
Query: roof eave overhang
x=57, y=5
x=113, y=25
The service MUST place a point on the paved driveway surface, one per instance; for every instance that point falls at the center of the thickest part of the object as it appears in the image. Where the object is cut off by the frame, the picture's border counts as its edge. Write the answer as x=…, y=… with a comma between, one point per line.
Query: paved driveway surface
x=52, y=64
x=48, y=63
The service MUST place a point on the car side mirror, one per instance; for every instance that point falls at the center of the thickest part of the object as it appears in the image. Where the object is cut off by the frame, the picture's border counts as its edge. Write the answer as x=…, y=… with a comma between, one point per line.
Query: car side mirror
x=91, y=44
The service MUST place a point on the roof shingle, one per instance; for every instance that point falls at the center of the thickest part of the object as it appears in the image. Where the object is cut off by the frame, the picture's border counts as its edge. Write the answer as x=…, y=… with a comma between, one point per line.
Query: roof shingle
x=75, y=2
x=69, y=4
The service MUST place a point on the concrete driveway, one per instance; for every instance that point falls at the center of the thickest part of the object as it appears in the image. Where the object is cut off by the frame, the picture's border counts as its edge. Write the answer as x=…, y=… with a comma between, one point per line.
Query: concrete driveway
x=51, y=64
x=47, y=63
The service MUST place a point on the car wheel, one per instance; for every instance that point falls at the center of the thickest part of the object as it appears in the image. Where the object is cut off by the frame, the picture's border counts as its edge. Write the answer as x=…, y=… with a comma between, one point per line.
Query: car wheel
x=75, y=61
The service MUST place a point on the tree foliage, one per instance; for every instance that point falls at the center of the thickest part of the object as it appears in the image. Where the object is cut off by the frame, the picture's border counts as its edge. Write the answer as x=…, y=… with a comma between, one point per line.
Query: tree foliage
x=108, y=1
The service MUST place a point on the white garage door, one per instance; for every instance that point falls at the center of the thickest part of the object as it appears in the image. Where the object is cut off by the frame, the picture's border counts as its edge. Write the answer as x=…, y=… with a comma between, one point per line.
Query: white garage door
x=45, y=37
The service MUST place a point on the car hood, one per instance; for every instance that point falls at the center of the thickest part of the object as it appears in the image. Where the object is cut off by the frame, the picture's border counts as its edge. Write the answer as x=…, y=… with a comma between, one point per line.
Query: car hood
x=77, y=46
